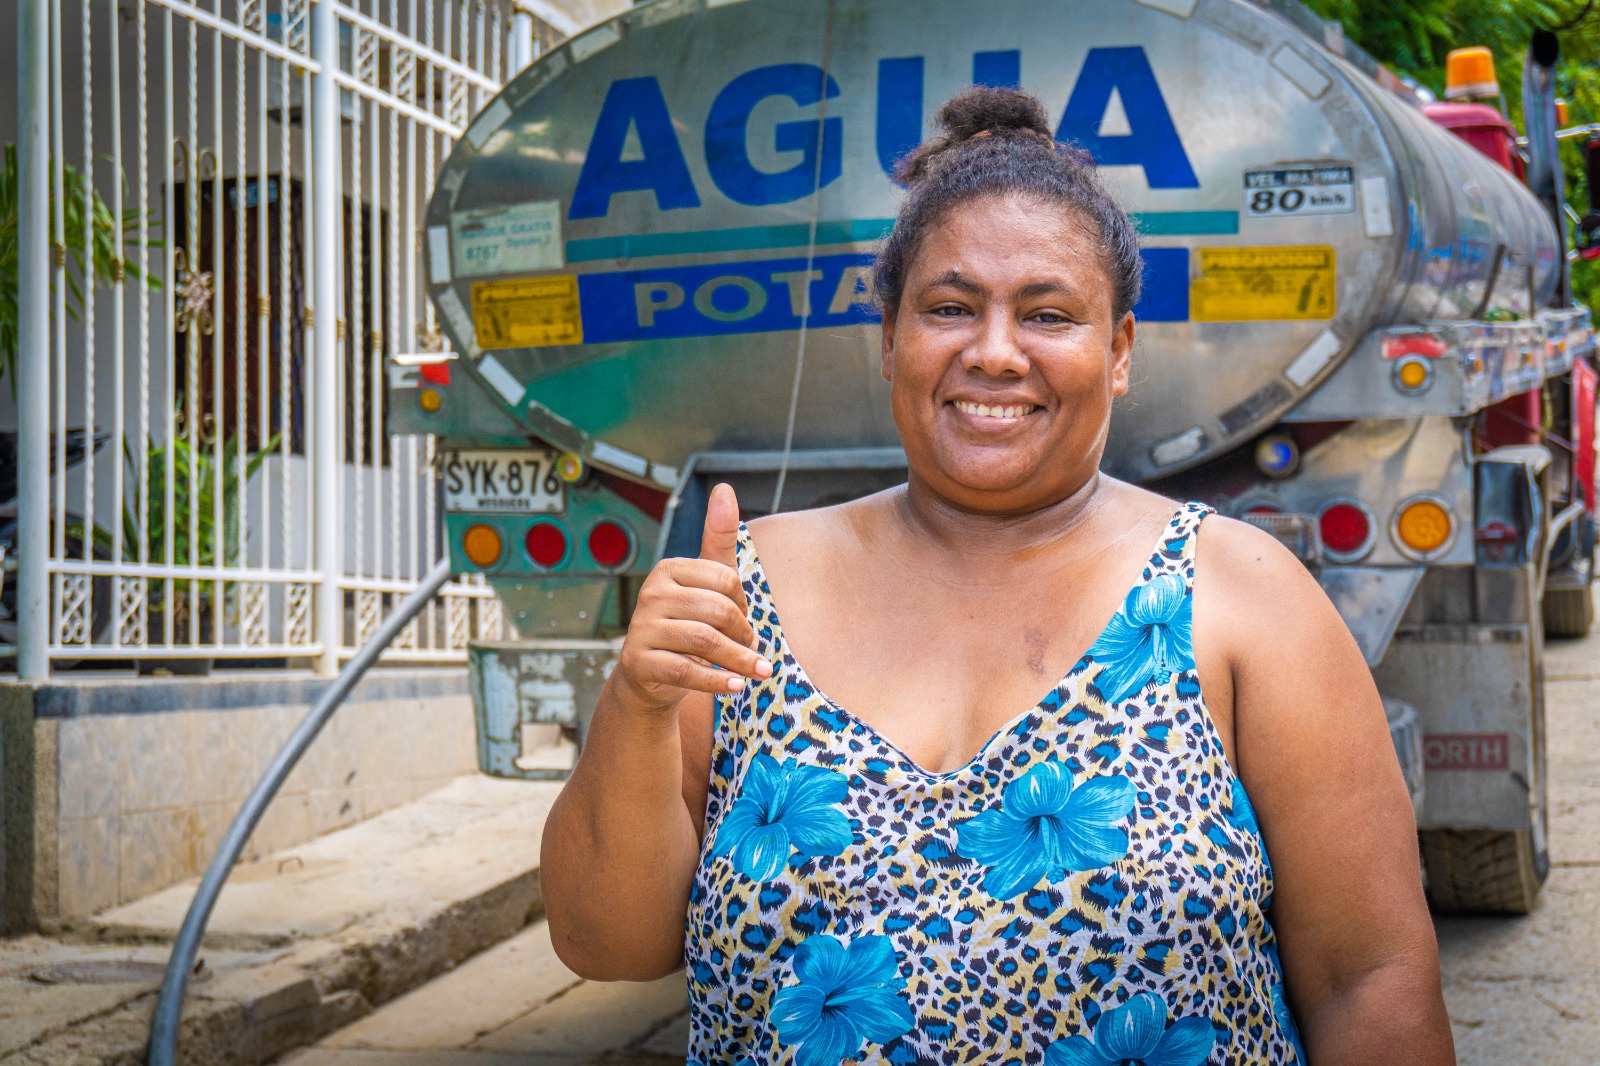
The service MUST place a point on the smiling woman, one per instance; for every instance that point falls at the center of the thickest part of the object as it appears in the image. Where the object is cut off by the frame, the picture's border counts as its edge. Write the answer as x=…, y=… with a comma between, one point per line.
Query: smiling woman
x=1003, y=783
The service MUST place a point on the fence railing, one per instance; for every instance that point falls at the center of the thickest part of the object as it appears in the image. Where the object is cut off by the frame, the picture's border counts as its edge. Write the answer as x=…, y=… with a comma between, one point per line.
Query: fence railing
x=230, y=266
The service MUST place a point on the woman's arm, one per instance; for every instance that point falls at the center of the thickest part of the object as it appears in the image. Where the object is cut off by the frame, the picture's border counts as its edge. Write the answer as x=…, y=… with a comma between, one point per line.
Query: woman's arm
x=621, y=844
x=1312, y=746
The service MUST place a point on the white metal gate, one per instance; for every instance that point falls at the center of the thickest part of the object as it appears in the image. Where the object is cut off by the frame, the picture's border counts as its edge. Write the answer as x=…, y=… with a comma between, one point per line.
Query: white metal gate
x=232, y=258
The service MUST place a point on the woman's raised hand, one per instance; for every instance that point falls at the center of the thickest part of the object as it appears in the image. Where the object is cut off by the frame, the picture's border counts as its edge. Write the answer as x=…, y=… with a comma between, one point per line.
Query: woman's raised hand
x=690, y=619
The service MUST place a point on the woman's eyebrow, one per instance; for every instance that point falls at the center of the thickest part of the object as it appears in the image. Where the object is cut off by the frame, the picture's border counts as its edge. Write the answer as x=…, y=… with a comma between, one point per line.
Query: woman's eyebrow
x=957, y=280
x=1050, y=287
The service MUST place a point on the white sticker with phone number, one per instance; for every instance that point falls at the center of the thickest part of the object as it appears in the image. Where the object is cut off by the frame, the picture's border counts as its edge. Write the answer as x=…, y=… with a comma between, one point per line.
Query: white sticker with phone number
x=518, y=239
x=1327, y=189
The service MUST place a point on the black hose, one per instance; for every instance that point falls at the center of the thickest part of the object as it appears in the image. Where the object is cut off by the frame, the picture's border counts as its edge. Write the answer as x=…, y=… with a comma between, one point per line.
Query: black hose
x=169, y=1007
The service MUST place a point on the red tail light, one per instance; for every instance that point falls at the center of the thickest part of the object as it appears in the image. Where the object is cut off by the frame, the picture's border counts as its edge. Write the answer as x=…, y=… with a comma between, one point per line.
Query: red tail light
x=610, y=545
x=546, y=543
x=1345, y=529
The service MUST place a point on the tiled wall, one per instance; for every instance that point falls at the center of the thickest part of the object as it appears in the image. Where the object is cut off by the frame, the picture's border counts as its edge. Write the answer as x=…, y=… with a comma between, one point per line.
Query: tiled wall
x=142, y=800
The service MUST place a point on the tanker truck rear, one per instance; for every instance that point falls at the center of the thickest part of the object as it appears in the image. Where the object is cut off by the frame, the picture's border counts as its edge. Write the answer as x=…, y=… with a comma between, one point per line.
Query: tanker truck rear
x=648, y=256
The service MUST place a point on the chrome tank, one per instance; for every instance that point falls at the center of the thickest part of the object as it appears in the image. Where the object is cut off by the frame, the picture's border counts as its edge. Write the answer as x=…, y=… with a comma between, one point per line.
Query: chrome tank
x=706, y=272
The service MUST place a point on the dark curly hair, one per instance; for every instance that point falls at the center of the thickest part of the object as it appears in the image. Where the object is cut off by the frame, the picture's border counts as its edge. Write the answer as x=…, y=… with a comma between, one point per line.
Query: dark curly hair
x=997, y=142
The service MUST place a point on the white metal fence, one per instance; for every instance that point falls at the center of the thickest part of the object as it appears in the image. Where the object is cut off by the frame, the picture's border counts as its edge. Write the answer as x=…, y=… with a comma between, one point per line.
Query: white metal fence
x=230, y=265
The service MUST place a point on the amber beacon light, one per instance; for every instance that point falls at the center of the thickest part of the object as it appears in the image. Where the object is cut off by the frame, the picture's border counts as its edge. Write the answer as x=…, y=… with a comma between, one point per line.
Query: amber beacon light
x=1469, y=73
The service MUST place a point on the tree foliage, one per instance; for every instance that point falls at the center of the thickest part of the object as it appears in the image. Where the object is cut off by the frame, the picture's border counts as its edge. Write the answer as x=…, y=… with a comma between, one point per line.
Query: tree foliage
x=1413, y=38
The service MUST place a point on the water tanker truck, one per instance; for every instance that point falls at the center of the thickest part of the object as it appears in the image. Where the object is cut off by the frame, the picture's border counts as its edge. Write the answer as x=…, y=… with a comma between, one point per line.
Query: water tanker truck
x=648, y=255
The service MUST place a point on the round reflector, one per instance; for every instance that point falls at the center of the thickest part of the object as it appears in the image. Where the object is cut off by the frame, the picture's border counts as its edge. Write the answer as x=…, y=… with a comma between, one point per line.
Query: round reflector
x=610, y=544
x=1346, y=529
x=570, y=468
x=1277, y=456
x=547, y=544
x=481, y=544
x=1413, y=375
x=1423, y=526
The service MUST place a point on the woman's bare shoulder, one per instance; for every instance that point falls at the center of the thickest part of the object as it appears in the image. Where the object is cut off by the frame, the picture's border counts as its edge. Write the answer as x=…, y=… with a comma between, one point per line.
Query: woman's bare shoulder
x=1242, y=559
x=811, y=556
x=808, y=533
x=1264, y=604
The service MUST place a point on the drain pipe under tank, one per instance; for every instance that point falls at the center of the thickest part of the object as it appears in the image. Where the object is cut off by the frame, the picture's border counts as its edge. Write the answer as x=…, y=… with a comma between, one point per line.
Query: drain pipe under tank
x=169, y=1007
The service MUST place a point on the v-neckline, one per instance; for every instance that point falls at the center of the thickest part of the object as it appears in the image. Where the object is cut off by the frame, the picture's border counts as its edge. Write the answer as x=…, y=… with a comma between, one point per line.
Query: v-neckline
x=780, y=643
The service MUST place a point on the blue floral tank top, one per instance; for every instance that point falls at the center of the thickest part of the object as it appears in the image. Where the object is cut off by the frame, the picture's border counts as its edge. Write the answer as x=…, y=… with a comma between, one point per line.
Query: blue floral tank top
x=1090, y=889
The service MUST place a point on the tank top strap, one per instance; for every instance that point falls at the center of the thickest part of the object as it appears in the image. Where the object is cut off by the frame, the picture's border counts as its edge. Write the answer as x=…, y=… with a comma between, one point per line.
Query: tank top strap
x=1187, y=522
x=1177, y=552
x=757, y=596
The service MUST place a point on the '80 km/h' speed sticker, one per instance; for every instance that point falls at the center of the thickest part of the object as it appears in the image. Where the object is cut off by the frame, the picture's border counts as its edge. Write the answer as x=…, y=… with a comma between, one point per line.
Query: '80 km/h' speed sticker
x=1319, y=189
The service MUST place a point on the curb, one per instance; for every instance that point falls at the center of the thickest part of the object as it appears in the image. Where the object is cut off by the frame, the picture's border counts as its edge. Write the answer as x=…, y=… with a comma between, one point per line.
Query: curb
x=442, y=897
x=259, y=1014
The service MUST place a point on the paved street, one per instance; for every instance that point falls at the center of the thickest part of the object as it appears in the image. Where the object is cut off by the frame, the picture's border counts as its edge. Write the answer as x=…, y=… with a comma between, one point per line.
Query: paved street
x=1519, y=989
x=1528, y=989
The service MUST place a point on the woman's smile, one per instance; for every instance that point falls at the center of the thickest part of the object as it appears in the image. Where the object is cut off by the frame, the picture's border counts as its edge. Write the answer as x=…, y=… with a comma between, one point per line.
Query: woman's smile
x=994, y=415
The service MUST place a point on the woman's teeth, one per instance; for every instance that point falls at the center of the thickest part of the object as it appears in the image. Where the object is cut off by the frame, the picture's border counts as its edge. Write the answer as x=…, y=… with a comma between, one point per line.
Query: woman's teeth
x=986, y=411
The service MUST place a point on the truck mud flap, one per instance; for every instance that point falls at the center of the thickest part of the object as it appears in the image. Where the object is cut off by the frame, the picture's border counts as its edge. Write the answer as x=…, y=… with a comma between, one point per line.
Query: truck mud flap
x=1481, y=705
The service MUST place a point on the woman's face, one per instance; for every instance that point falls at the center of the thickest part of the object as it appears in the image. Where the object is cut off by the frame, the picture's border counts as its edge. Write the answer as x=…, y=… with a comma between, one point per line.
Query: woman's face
x=1003, y=358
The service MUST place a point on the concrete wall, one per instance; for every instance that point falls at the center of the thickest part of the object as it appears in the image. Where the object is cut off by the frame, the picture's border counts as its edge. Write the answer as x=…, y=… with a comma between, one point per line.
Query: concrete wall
x=136, y=781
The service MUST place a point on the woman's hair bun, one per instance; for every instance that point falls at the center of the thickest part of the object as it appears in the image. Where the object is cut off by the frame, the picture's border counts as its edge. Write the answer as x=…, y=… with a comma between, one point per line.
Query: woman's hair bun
x=998, y=142
x=978, y=111
x=986, y=109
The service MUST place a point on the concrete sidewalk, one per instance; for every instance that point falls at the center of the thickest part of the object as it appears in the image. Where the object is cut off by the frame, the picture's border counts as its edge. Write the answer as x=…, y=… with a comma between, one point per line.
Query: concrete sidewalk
x=301, y=943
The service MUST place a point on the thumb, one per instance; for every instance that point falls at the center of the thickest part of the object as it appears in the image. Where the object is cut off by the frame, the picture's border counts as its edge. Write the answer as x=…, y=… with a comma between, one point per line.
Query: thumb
x=721, y=535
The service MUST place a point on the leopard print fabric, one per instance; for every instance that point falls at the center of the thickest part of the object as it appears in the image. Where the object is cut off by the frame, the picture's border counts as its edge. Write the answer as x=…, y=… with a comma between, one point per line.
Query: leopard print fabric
x=1090, y=889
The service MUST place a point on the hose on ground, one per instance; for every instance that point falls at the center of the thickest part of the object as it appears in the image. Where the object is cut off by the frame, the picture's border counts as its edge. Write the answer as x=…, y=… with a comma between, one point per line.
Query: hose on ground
x=175, y=982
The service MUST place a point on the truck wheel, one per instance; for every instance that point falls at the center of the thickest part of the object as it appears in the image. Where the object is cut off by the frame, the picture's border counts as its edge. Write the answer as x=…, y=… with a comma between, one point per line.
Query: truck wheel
x=1568, y=612
x=1483, y=869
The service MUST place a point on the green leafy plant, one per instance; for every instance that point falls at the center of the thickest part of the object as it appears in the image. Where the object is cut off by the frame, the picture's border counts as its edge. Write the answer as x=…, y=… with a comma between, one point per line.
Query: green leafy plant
x=206, y=543
x=1413, y=39
x=93, y=238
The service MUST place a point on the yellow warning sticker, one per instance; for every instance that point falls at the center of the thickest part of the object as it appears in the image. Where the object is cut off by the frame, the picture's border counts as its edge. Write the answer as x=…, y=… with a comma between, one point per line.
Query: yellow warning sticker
x=1264, y=284
x=526, y=312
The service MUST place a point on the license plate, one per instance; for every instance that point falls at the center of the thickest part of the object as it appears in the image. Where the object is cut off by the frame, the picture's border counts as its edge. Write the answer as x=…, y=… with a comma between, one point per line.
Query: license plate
x=500, y=481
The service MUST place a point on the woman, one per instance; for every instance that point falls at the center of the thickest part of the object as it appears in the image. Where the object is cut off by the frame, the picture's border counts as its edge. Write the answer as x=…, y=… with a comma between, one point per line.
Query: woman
x=879, y=858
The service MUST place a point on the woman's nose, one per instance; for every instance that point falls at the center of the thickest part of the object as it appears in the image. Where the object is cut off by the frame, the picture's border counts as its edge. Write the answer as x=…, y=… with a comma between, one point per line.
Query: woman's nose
x=995, y=349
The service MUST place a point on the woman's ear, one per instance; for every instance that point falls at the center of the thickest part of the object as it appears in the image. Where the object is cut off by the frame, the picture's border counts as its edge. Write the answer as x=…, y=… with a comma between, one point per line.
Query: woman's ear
x=1122, y=355
x=886, y=356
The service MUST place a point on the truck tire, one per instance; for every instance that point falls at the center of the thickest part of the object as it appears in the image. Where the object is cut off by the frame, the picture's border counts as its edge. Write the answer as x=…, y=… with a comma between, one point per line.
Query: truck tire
x=1482, y=870
x=1568, y=612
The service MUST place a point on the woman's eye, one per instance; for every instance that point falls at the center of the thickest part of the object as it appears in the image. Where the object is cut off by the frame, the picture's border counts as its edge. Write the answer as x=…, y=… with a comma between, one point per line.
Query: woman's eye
x=949, y=311
x=1050, y=318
